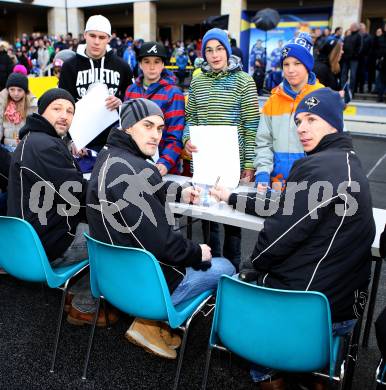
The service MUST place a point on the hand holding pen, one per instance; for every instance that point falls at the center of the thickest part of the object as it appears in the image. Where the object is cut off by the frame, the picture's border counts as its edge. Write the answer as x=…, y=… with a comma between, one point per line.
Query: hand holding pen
x=219, y=193
x=191, y=194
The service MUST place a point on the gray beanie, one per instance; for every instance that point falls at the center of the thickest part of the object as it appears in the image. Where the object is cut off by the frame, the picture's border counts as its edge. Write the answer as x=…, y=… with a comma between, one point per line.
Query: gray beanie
x=133, y=111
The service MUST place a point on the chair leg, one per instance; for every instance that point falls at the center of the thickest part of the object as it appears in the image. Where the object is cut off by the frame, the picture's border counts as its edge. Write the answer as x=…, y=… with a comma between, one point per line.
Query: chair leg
x=59, y=327
x=181, y=357
x=91, y=338
x=184, y=339
x=106, y=311
x=44, y=291
x=207, y=366
x=372, y=300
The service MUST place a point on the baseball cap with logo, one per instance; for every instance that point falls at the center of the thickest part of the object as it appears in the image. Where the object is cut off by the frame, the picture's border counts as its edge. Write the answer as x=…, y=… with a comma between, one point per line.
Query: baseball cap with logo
x=152, y=49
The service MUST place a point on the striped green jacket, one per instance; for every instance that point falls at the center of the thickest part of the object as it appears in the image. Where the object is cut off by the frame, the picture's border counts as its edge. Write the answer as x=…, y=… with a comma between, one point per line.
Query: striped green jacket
x=226, y=98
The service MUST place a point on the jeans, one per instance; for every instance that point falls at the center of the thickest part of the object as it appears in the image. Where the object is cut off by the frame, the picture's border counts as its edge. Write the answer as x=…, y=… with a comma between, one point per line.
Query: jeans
x=76, y=252
x=232, y=242
x=196, y=282
x=380, y=85
x=9, y=148
x=260, y=374
x=351, y=66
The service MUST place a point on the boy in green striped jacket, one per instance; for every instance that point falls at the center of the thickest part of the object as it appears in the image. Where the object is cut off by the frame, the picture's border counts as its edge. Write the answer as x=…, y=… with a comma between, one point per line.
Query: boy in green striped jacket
x=224, y=95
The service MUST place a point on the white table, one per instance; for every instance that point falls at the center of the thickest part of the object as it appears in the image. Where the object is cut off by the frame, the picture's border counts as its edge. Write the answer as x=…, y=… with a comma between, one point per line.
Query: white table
x=223, y=213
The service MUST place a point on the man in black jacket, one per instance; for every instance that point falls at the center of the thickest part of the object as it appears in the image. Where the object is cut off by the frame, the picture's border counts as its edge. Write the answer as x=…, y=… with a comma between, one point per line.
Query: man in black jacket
x=319, y=231
x=126, y=202
x=352, y=47
x=47, y=189
x=95, y=62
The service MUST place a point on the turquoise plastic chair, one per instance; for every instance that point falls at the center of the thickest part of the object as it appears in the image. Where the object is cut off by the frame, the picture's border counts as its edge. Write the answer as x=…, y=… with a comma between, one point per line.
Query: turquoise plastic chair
x=380, y=375
x=132, y=280
x=22, y=255
x=285, y=330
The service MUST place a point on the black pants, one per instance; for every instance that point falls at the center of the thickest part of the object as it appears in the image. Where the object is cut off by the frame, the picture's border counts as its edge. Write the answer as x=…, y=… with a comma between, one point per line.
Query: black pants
x=232, y=242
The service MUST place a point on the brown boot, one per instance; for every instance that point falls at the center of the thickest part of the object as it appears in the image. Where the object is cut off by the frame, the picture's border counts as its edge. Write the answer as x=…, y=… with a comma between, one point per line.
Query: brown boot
x=273, y=384
x=147, y=334
x=172, y=340
x=76, y=317
x=319, y=384
x=67, y=302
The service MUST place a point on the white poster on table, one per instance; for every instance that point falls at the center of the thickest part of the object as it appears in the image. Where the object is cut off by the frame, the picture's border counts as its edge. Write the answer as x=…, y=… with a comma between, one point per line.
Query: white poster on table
x=91, y=116
x=217, y=156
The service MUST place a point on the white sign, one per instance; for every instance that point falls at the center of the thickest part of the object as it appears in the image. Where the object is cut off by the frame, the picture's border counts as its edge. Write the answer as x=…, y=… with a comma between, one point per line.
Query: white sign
x=217, y=156
x=91, y=116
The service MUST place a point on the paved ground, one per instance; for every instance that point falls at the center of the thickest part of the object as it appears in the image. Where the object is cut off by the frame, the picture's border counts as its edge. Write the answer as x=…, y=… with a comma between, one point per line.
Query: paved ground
x=27, y=328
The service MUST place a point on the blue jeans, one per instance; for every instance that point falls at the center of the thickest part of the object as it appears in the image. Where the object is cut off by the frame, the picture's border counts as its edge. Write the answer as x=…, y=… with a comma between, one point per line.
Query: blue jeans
x=196, y=282
x=260, y=374
x=352, y=67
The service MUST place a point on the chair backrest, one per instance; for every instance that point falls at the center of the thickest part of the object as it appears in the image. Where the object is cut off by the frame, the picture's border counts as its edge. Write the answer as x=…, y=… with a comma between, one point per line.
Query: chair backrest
x=280, y=329
x=129, y=278
x=21, y=252
x=380, y=376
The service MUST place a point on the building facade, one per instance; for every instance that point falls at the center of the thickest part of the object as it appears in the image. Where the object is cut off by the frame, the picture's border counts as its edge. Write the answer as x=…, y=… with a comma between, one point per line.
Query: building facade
x=166, y=19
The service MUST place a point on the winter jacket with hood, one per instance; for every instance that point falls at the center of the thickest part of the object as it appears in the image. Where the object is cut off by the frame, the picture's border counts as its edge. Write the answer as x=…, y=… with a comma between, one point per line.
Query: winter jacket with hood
x=319, y=232
x=9, y=131
x=171, y=100
x=277, y=143
x=79, y=72
x=225, y=98
x=126, y=201
x=45, y=186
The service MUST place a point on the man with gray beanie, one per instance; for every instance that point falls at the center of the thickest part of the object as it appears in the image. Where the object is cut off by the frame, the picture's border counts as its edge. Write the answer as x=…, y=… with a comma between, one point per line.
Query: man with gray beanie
x=125, y=176
x=46, y=188
x=319, y=232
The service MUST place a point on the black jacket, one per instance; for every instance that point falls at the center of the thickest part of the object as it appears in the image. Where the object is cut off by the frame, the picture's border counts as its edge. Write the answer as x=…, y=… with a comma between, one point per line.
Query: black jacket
x=43, y=158
x=327, y=250
x=352, y=46
x=6, y=66
x=5, y=161
x=123, y=180
x=325, y=75
x=79, y=72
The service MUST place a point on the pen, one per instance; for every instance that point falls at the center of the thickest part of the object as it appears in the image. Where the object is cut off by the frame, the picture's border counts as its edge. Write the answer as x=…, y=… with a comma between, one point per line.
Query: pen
x=215, y=184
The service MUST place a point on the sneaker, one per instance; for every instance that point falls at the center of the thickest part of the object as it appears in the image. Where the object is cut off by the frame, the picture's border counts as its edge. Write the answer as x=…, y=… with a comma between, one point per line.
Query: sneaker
x=76, y=317
x=172, y=340
x=147, y=334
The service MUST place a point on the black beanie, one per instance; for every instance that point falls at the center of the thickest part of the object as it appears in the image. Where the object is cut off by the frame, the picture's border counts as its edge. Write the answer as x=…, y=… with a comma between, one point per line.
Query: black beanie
x=17, y=80
x=53, y=94
x=325, y=103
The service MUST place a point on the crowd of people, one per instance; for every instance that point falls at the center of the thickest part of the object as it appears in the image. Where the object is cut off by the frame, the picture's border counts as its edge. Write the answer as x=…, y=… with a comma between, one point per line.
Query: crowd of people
x=35, y=54
x=289, y=151
x=354, y=57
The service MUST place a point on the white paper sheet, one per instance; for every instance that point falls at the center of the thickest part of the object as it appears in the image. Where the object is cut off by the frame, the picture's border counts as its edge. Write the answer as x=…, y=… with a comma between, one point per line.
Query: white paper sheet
x=91, y=116
x=217, y=156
